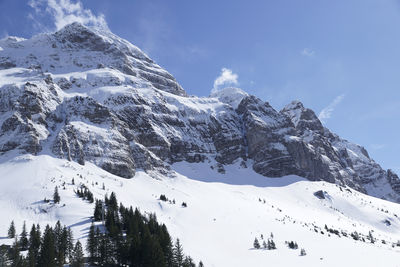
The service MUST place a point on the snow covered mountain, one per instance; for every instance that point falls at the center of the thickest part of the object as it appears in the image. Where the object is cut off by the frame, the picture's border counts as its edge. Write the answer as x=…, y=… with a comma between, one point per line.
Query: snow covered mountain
x=88, y=95
x=83, y=101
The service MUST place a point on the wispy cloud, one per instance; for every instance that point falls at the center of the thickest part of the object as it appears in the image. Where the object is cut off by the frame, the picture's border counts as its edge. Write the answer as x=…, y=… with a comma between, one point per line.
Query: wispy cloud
x=326, y=112
x=377, y=146
x=64, y=12
x=227, y=77
x=307, y=52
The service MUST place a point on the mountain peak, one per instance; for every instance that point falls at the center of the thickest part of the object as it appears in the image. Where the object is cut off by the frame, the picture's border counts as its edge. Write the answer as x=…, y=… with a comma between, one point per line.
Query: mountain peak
x=79, y=48
x=303, y=118
x=295, y=104
x=230, y=95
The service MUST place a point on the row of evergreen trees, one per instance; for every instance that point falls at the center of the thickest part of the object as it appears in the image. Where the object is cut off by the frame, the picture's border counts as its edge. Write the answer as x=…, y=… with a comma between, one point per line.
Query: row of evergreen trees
x=130, y=238
x=84, y=193
x=54, y=247
x=125, y=238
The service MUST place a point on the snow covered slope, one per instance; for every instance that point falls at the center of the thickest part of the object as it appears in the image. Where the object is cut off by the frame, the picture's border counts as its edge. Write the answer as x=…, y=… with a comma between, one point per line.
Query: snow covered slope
x=224, y=212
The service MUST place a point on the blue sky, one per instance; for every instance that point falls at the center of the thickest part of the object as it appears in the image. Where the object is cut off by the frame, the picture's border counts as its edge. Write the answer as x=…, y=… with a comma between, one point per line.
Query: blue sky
x=339, y=57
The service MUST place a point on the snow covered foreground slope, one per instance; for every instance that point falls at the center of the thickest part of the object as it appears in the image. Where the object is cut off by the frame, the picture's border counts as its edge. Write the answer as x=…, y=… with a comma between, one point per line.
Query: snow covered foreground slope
x=224, y=212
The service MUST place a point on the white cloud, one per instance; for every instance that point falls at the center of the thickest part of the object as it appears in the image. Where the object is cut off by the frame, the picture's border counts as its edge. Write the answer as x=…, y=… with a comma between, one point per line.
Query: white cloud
x=227, y=77
x=307, y=52
x=326, y=113
x=64, y=12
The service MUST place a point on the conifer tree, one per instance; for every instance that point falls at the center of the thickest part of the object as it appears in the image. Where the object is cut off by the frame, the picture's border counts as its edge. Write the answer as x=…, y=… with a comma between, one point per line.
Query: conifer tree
x=3, y=256
x=371, y=237
x=134, y=250
x=178, y=253
x=98, y=211
x=24, y=238
x=156, y=255
x=56, y=196
x=105, y=250
x=47, y=253
x=201, y=264
x=188, y=262
x=69, y=242
x=91, y=245
x=34, y=245
x=11, y=230
x=65, y=244
x=77, y=256
x=271, y=244
x=58, y=240
x=256, y=244
x=16, y=257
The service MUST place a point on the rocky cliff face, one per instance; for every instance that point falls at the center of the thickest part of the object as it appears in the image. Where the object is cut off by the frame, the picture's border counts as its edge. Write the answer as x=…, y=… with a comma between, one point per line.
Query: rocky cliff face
x=87, y=95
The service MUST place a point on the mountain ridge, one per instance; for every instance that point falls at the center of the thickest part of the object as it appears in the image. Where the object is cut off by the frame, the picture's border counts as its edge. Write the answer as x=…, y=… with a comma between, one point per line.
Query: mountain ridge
x=87, y=95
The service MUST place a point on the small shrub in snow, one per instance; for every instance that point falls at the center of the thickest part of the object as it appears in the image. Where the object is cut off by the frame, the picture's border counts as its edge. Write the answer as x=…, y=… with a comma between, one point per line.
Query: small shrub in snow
x=163, y=198
x=355, y=235
x=256, y=244
x=271, y=244
x=371, y=237
x=292, y=245
x=303, y=252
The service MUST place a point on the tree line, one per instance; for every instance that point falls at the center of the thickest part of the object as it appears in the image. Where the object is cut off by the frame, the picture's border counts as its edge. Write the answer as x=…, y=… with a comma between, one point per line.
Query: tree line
x=52, y=248
x=129, y=238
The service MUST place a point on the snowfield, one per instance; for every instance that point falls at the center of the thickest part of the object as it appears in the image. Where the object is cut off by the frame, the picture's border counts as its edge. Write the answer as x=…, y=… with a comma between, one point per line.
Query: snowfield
x=224, y=212
x=90, y=96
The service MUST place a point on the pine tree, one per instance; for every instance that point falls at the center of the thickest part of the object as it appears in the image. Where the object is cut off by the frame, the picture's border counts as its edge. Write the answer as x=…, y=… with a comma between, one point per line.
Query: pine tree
x=256, y=244
x=77, y=256
x=303, y=252
x=188, y=262
x=371, y=237
x=56, y=196
x=47, y=253
x=24, y=238
x=58, y=241
x=34, y=245
x=98, y=211
x=271, y=244
x=153, y=255
x=92, y=245
x=15, y=255
x=11, y=230
x=178, y=253
x=135, y=250
x=105, y=250
x=69, y=242
x=201, y=264
x=3, y=256
x=64, y=245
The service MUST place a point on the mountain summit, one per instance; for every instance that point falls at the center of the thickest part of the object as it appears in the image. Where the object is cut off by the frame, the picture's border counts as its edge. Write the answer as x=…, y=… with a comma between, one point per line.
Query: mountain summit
x=87, y=95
